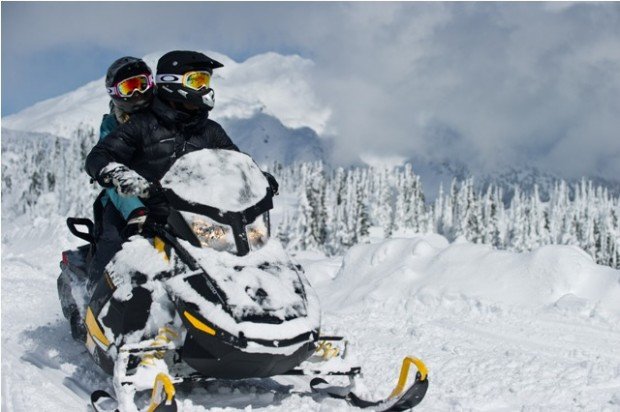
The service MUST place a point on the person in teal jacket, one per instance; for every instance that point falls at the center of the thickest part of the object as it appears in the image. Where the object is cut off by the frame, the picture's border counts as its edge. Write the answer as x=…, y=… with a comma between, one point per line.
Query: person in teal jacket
x=125, y=205
x=129, y=83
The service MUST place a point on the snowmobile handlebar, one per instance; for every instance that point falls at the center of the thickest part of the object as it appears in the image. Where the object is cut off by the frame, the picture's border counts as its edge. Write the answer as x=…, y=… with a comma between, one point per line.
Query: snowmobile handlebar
x=155, y=188
x=88, y=236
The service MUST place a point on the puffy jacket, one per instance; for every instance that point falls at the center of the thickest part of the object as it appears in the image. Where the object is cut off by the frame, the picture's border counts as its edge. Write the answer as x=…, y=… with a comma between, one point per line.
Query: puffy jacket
x=150, y=141
x=124, y=204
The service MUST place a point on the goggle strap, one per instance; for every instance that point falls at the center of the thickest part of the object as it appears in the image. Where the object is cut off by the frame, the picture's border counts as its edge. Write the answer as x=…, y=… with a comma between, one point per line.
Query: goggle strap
x=169, y=78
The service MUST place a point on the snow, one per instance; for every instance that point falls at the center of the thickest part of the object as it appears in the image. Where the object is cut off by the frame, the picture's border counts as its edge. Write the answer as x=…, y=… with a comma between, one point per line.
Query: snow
x=497, y=330
x=533, y=280
x=282, y=301
x=221, y=172
x=137, y=256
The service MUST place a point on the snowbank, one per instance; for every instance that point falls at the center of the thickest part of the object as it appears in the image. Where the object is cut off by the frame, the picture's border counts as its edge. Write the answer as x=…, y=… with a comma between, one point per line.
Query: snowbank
x=396, y=270
x=497, y=330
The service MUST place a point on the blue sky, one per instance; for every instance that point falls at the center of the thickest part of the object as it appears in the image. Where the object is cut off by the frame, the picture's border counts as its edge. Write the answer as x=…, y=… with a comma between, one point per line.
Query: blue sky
x=487, y=84
x=66, y=44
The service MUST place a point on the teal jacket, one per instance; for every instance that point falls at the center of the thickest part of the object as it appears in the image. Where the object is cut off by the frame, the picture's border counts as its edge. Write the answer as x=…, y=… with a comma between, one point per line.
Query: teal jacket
x=123, y=204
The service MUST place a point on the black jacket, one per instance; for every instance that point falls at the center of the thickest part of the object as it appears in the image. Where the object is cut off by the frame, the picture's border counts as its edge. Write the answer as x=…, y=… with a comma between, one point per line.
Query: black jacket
x=150, y=142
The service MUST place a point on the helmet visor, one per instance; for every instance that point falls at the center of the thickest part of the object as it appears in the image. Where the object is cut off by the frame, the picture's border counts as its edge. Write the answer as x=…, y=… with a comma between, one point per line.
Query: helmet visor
x=197, y=80
x=140, y=83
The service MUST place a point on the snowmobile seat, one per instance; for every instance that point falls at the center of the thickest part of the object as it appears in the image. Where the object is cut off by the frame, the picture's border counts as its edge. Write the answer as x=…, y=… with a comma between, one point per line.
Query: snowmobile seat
x=77, y=260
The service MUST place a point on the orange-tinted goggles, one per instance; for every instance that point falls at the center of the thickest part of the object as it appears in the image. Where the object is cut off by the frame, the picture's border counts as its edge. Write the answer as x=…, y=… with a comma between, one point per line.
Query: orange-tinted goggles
x=197, y=80
x=127, y=87
x=194, y=80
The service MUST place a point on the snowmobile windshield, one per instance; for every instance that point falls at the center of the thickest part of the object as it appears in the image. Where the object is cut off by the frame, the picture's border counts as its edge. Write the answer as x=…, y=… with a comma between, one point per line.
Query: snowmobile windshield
x=224, y=198
x=224, y=179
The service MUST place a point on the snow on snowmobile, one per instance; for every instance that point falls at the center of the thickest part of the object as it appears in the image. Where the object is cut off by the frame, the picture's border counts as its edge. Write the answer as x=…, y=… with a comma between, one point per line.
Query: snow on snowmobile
x=207, y=296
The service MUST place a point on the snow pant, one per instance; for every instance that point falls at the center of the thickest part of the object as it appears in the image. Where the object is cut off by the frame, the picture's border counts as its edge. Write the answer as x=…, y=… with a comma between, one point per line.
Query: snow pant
x=109, y=241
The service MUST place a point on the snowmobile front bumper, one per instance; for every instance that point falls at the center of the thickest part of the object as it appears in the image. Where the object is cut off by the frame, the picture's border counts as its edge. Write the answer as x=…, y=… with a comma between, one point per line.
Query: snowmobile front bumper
x=216, y=353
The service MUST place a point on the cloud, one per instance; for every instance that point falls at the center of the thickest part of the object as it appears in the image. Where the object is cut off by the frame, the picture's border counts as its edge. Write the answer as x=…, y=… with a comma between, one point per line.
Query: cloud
x=488, y=84
x=491, y=85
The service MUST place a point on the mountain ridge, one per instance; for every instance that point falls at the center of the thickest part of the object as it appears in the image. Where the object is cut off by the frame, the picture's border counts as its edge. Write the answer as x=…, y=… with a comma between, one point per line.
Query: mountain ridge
x=267, y=96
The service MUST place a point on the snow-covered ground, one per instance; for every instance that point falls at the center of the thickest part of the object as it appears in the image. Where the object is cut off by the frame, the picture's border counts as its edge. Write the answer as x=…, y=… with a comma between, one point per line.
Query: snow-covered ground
x=538, y=331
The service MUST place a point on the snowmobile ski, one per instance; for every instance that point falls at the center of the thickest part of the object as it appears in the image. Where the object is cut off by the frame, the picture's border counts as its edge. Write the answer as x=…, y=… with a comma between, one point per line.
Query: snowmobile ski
x=102, y=401
x=162, y=398
x=400, y=399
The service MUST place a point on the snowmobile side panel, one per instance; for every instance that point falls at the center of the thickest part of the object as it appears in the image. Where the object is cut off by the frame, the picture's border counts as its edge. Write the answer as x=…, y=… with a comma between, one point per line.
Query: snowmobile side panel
x=100, y=356
x=124, y=317
x=102, y=294
x=70, y=308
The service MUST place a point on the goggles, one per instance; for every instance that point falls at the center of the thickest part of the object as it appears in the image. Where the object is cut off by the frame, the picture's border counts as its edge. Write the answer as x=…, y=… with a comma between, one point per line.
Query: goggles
x=194, y=80
x=126, y=88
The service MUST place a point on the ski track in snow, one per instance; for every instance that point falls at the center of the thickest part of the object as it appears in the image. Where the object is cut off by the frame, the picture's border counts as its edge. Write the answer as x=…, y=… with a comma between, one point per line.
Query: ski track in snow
x=482, y=355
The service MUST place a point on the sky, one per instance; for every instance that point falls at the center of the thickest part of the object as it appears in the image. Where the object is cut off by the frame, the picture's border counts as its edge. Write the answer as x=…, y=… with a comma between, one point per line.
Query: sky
x=489, y=85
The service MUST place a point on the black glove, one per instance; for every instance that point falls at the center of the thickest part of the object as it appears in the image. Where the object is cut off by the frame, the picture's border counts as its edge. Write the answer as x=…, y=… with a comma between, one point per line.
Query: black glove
x=273, y=183
x=126, y=181
x=137, y=222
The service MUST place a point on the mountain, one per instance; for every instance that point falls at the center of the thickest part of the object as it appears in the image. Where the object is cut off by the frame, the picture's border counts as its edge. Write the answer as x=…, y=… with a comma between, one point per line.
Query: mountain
x=268, y=106
x=267, y=98
x=435, y=173
x=268, y=140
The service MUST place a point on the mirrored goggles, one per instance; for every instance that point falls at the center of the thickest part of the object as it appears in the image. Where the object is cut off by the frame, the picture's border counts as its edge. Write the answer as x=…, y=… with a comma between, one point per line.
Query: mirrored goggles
x=127, y=87
x=194, y=80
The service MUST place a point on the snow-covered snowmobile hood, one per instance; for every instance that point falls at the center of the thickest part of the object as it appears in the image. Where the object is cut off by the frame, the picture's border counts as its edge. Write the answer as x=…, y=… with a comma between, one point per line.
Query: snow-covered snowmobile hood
x=223, y=179
x=264, y=283
x=261, y=294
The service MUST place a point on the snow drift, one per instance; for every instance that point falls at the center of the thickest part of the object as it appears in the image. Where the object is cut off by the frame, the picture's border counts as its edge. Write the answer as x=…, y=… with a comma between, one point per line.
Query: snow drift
x=498, y=330
x=551, y=276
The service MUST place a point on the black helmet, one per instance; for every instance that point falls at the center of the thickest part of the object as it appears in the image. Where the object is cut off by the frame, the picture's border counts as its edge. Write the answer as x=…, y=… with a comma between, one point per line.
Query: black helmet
x=171, y=85
x=122, y=69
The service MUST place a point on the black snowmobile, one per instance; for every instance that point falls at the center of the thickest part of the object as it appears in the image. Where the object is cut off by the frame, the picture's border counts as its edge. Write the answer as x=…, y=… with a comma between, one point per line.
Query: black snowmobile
x=207, y=296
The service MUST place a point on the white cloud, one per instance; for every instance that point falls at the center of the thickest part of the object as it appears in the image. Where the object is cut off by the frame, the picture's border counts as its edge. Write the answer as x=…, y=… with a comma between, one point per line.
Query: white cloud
x=490, y=84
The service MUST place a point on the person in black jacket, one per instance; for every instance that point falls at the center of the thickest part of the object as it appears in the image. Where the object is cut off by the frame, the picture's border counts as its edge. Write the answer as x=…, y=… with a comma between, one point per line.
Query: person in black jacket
x=130, y=85
x=140, y=151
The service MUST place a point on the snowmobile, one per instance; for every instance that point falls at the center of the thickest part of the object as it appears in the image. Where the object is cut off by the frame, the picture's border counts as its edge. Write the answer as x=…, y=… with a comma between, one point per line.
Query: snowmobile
x=207, y=296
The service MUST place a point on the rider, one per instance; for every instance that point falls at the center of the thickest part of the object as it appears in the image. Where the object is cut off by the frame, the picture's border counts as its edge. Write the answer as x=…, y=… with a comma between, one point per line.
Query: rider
x=140, y=151
x=129, y=83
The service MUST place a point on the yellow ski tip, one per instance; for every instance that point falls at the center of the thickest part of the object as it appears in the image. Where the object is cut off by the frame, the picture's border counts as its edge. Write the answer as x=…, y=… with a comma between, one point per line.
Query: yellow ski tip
x=163, y=392
x=404, y=373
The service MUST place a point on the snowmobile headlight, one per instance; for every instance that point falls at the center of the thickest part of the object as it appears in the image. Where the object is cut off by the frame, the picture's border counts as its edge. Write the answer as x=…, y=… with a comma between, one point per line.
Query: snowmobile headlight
x=258, y=232
x=211, y=233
